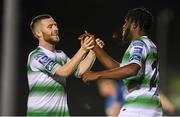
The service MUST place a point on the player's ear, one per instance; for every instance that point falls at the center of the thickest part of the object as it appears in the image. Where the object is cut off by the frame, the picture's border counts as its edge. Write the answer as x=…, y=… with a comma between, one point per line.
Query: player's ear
x=134, y=25
x=37, y=34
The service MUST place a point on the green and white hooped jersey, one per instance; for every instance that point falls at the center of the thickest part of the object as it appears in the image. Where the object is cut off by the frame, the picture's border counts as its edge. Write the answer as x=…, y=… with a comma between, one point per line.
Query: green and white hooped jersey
x=47, y=96
x=142, y=88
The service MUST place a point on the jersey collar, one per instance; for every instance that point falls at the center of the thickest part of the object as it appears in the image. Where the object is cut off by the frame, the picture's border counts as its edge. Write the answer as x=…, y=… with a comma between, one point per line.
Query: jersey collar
x=48, y=52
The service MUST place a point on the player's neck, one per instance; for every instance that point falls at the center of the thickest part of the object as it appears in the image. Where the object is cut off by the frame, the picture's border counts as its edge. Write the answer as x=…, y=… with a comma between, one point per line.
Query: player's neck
x=138, y=35
x=48, y=46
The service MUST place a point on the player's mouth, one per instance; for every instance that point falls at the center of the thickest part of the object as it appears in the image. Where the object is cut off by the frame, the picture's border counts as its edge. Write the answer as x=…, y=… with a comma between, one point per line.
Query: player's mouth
x=55, y=33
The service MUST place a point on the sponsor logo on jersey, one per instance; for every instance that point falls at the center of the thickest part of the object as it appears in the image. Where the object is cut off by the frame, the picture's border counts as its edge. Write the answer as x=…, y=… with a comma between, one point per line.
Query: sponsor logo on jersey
x=47, y=62
x=138, y=50
x=50, y=65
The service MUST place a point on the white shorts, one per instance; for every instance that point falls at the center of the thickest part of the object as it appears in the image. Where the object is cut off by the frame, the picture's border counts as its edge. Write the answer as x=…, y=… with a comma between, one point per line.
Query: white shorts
x=137, y=111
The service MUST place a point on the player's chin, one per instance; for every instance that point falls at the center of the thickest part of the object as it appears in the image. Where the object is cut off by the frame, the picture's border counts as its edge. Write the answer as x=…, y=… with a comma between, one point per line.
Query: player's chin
x=56, y=39
x=123, y=38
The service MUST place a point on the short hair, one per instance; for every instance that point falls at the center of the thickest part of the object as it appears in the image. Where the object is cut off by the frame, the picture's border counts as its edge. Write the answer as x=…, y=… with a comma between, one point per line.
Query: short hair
x=37, y=19
x=141, y=16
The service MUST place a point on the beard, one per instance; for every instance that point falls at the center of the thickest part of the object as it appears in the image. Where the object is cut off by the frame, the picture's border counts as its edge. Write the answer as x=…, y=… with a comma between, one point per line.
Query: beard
x=52, y=39
x=126, y=35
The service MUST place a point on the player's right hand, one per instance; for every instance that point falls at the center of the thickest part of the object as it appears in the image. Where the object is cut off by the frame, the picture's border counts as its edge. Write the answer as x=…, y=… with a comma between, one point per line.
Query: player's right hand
x=90, y=76
x=88, y=43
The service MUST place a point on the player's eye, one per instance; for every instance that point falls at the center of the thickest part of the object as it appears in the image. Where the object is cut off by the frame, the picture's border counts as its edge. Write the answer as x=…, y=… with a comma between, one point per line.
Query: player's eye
x=50, y=26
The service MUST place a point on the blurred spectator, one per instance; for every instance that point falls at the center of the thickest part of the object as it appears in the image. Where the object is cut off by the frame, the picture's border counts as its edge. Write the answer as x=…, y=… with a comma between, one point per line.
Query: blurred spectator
x=113, y=92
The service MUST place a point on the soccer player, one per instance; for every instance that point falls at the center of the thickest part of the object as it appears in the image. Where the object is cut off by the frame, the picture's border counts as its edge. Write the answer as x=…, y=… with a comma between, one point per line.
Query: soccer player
x=139, y=68
x=48, y=69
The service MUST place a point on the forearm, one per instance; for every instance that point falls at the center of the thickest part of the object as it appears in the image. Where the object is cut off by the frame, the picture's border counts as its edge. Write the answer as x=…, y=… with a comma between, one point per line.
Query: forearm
x=104, y=58
x=166, y=104
x=114, y=111
x=120, y=72
x=86, y=64
x=69, y=68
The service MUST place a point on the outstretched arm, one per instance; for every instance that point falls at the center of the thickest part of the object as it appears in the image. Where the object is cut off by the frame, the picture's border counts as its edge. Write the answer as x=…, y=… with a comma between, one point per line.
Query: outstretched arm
x=85, y=64
x=104, y=58
x=69, y=68
x=116, y=73
x=89, y=60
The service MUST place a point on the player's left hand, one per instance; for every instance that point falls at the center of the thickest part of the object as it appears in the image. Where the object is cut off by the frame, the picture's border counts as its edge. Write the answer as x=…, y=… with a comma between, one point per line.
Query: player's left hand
x=89, y=76
x=100, y=43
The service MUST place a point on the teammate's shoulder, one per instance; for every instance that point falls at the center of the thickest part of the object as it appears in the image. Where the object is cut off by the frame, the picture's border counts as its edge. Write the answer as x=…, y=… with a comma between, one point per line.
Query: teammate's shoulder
x=137, y=42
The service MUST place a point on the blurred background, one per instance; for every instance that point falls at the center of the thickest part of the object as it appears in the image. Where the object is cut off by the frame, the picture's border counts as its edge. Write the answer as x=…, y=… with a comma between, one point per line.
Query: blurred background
x=104, y=19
